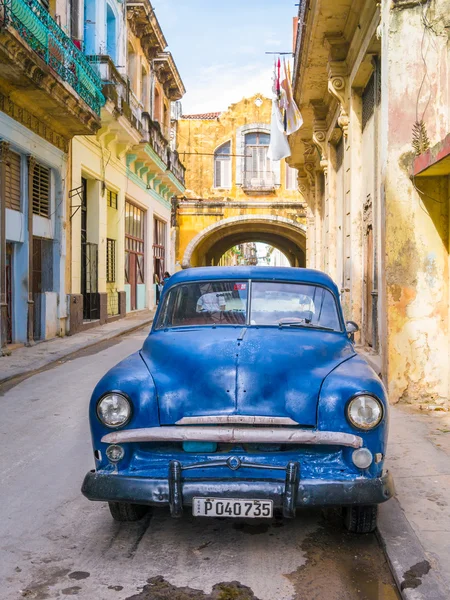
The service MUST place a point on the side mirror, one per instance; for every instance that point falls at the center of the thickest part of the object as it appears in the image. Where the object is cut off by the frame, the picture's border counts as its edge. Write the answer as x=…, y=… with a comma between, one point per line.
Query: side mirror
x=351, y=328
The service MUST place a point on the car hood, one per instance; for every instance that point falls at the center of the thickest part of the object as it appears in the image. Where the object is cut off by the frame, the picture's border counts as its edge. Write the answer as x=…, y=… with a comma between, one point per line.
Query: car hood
x=242, y=371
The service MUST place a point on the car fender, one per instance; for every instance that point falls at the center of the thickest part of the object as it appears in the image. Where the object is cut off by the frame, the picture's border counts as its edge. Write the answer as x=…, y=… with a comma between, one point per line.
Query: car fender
x=351, y=377
x=132, y=378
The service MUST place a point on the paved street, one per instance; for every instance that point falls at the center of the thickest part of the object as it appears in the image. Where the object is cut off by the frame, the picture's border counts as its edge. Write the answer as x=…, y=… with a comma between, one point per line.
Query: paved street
x=55, y=544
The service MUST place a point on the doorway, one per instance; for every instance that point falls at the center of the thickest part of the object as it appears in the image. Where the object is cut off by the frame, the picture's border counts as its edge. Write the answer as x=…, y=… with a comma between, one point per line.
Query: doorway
x=134, y=255
x=89, y=265
x=42, y=281
x=9, y=293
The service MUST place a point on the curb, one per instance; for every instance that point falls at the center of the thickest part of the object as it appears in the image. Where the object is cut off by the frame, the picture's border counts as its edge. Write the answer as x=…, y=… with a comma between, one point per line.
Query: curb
x=74, y=350
x=417, y=577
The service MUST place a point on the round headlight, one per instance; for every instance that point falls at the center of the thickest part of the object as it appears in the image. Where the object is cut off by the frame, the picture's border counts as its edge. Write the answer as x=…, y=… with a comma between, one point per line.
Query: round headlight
x=114, y=410
x=364, y=411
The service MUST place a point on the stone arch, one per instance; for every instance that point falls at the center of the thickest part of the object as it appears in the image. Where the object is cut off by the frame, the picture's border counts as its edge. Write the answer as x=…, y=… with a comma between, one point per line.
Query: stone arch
x=283, y=233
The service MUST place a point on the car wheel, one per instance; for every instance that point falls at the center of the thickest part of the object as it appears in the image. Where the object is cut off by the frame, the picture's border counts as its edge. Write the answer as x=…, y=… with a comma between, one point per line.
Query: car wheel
x=361, y=519
x=123, y=511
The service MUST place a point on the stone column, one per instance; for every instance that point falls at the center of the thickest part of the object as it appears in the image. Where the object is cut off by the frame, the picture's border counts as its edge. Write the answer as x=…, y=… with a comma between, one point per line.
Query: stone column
x=4, y=151
x=30, y=317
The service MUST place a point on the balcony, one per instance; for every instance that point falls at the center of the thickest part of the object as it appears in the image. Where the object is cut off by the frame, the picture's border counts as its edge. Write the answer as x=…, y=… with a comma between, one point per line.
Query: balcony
x=259, y=182
x=177, y=167
x=118, y=90
x=41, y=63
x=154, y=137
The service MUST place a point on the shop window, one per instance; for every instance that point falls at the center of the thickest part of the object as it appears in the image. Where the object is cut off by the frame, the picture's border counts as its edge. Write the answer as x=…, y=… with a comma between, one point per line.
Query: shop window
x=41, y=191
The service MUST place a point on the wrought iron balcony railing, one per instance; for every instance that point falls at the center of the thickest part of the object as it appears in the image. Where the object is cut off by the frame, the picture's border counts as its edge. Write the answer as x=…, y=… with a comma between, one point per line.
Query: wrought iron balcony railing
x=176, y=166
x=259, y=181
x=37, y=28
x=117, y=89
x=153, y=136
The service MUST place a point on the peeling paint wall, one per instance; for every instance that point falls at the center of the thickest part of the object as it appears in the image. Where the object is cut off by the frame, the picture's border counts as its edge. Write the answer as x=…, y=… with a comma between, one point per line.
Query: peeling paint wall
x=406, y=41
x=416, y=84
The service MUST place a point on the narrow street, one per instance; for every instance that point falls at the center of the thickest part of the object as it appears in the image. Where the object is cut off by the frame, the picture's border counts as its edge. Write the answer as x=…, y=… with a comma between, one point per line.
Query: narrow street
x=54, y=543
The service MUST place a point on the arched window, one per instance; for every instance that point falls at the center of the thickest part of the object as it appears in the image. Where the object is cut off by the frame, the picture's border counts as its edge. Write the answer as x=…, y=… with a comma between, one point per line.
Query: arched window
x=111, y=34
x=258, y=169
x=222, y=166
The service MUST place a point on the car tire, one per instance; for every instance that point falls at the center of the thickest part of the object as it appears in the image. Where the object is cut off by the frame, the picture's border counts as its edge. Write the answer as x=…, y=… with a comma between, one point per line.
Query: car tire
x=126, y=512
x=361, y=519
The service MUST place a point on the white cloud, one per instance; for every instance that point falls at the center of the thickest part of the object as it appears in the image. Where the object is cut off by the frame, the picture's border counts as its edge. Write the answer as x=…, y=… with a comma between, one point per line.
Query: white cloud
x=218, y=86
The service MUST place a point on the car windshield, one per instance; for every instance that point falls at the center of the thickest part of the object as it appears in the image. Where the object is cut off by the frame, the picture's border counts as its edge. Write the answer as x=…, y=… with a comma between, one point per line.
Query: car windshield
x=271, y=304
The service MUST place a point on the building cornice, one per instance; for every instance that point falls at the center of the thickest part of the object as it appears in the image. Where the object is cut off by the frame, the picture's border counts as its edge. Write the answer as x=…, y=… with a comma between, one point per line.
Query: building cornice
x=168, y=75
x=145, y=26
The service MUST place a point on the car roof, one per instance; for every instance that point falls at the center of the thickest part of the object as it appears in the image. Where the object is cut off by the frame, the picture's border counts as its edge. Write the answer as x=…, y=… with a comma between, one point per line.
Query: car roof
x=293, y=274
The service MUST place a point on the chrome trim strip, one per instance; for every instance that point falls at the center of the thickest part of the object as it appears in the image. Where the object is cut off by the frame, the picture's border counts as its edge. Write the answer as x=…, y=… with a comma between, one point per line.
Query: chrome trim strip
x=236, y=419
x=245, y=435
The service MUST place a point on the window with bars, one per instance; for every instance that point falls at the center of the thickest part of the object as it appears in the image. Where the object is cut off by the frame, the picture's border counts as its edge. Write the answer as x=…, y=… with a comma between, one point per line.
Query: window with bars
x=111, y=198
x=222, y=166
x=159, y=248
x=41, y=191
x=110, y=260
x=291, y=178
x=12, y=181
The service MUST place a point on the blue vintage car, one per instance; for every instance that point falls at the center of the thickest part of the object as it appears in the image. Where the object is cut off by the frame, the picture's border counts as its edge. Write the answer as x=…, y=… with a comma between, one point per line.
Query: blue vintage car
x=246, y=398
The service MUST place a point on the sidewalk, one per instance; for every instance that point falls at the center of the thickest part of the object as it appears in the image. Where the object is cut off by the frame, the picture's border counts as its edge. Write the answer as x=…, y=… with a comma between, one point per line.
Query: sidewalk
x=415, y=526
x=26, y=360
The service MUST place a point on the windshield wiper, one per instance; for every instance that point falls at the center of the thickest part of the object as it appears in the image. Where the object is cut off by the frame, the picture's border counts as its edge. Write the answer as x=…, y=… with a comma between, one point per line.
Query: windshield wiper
x=310, y=325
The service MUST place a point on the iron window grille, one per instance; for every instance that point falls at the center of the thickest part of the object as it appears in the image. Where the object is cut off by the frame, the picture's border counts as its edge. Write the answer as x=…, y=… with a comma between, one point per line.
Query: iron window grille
x=41, y=191
x=111, y=199
x=110, y=260
x=159, y=248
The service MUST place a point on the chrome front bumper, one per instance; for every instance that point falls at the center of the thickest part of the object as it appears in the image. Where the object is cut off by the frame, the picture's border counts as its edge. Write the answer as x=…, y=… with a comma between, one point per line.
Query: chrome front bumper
x=287, y=494
x=239, y=435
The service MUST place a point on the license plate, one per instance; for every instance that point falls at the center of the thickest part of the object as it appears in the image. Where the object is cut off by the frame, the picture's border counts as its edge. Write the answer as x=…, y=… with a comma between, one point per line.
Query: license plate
x=232, y=507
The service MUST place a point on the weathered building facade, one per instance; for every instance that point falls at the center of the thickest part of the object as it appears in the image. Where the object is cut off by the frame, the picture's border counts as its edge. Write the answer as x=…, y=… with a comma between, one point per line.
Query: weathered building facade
x=123, y=179
x=48, y=94
x=235, y=194
x=88, y=163
x=371, y=81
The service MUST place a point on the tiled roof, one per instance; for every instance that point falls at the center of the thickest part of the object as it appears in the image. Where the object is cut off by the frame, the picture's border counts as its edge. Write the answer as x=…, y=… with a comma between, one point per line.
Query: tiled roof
x=211, y=116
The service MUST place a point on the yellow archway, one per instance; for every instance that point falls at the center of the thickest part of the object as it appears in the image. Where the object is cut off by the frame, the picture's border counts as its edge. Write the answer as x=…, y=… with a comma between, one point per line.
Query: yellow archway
x=211, y=243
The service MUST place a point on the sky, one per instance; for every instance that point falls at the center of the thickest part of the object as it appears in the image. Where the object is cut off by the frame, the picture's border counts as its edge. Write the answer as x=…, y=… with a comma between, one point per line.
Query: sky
x=219, y=47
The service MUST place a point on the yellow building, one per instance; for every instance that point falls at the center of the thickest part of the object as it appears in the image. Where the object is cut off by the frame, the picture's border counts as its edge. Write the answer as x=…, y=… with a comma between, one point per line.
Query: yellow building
x=234, y=193
x=124, y=178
